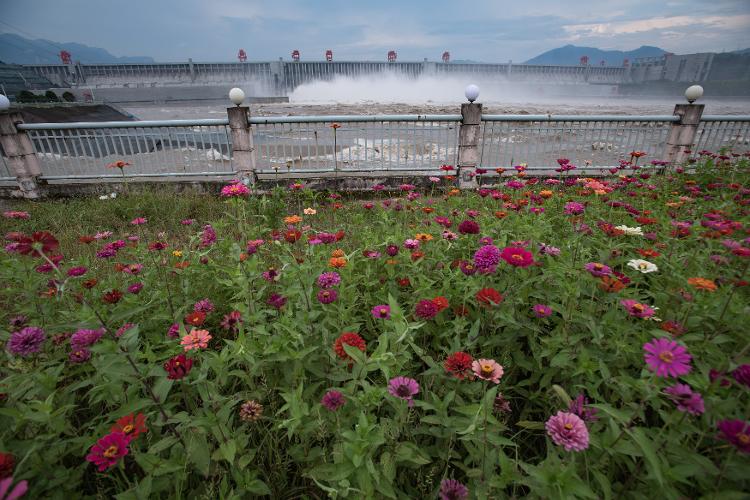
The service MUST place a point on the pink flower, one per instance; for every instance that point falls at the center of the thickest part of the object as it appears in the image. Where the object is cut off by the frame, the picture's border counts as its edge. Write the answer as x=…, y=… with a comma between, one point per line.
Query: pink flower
x=138, y=221
x=15, y=214
x=517, y=256
x=685, y=399
x=667, y=358
x=333, y=400
x=541, y=310
x=637, y=309
x=196, y=339
x=404, y=388
x=235, y=190
x=487, y=369
x=109, y=450
x=568, y=430
x=597, y=269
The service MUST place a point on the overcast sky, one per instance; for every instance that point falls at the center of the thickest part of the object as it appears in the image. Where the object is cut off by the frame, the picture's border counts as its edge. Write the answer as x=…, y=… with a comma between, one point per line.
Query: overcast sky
x=483, y=30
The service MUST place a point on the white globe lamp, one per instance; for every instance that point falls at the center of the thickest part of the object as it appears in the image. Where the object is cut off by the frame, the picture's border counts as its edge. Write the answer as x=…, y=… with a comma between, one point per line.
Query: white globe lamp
x=4, y=103
x=471, y=92
x=693, y=93
x=237, y=96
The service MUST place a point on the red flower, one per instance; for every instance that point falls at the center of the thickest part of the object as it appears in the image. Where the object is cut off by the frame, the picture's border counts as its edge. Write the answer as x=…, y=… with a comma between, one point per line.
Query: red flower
x=458, y=364
x=440, y=302
x=404, y=282
x=157, y=245
x=350, y=339
x=40, y=240
x=340, y=235
x=195, y=318
x=7, y=462
x=89, y=284
x=292, y=235
x=489, y=297
x=517, y=256
x=131, y=426
x=178, y=367
x=112, y=297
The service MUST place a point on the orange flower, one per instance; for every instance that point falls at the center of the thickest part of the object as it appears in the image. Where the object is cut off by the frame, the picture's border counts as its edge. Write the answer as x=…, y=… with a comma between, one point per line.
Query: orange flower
x=648, y=252
x=609, y=284
x=704, y=284
x=454, y=192
x=335, y=125
x=181, y=265
x=546, y=193
x=416, y=255
x=499, y=171
x=337, y=253
x=423, y=237
x=500, y=214
x=337, y=262
x=118, y=164
x=292, y=219
x=441, y=302
x=428, y=210
x=391, y=262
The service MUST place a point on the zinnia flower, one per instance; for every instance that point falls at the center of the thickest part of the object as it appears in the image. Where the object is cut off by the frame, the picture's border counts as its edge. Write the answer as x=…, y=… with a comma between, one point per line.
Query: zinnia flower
x=195, y=318
x=276, y=300
x=568, y=430
x=85, y=338
x=579, y=406
x=517, y=256
x=450, y=489
x=597, y=269
x=196, y=339
x=487, y=258
x=426, y=309
x=630, y=231
x=333, y=400
x=458, y=364
x=685, y=399
x=703, y=284
x=27, y=341
x=351, y=339
x=468, y=227
x=489, y=297
x=235, y=190
x=327, y=296
x=178, y=367
x=109, y=450
x=667, y=358
x=382, y=311
x=7, y=463
x=130, y=425
x=487, y=369
x=541, y=310
x=643, y=266
x=251, y=411
x=736, y=432
x=637, y=309
x=404, y=388
x=742, y=375
x=17, y=492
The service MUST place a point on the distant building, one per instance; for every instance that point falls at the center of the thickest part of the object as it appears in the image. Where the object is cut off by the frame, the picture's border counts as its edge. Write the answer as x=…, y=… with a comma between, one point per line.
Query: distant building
x=701, y=67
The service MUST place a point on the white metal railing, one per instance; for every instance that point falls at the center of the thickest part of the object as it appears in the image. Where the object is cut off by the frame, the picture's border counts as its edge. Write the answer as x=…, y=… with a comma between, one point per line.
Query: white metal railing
x=371, y=143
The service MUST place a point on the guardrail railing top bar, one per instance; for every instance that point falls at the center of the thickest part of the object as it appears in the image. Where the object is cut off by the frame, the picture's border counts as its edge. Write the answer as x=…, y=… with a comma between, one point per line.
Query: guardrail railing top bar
x=725, y=118
x=580, y=118
x=123, y=124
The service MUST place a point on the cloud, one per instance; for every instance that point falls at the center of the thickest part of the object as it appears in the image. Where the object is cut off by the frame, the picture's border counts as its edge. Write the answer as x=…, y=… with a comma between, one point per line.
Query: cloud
x=657, y=23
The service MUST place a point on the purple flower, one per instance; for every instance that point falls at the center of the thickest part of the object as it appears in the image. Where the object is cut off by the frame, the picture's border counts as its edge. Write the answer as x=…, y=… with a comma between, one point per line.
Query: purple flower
x=382, y=311
x=548, y=250
x=392, y=250
x=135, y=288
x=204, y=305
x=667, y=358
x=568, y=430
x=187, y=222
x=85, y=338
x=450, y=489
x=468, y=268
x=541, y=310
x=333, y=400
x=79, y=355
x=6, y=493
x=426, y=309
x=326, y=296
x=271, y=275
x=487, y=257
x=74, y=272
x=404, y=388
x=174, y=331
x=742, y=375
x=208, y=236
x=579, y=406
x=17, y=322
x=685, y=399
x=574, y=208
x=736, y=432
x=597, y=269
x=27, y=341
x=468, y=227
x=411, y=244
x=276, y=300
x=329, y=279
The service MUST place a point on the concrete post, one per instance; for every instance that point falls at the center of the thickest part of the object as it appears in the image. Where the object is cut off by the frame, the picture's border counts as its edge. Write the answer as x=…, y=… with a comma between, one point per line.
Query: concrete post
x=468, y=144
x=682, y=134
x=191, y=67
x=243, y=149
x=19, y=154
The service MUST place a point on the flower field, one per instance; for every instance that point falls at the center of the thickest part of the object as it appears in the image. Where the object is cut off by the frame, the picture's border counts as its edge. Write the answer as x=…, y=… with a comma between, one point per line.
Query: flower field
x=543, y=338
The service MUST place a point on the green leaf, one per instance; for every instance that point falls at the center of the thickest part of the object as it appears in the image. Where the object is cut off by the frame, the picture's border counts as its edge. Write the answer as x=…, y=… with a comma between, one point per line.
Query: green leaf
x=410, y=452
x=527, y=424
x=198, y=451
x=647, y=447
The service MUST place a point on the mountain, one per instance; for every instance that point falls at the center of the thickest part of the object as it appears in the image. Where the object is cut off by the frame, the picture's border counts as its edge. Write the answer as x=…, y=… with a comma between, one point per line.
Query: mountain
x=741, y=51
x=19, y=50
x=570, y=55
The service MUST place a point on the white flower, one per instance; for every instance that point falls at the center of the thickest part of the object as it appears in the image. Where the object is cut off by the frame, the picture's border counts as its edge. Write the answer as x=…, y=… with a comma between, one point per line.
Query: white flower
x=630, y=231
x=104, y=197
x=310, y=211
x=643, y=266
x=113, y=195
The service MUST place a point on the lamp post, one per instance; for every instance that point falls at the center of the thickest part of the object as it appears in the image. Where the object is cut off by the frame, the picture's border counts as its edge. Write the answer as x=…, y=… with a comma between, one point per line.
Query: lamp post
x=682, y=132
x=237, y=96
x=471, y=92
x=4, y=103
x=243, y=149
x=693, y=93
x=468, y=137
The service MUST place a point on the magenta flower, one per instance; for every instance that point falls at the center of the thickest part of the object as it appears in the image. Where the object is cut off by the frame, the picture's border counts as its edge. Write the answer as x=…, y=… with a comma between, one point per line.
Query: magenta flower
x=79, y=355
x=426, y=309
x=685, y=399
x=109, y=450
x=204, y=305
x=333, y=400
x=85, y=338
x=573, y=208
x=174, y=331
x=27, y=341
x=468, y=227
x=329, y=279
x=17, y=492
x=517, y=256
x=135, y=288
x=487, y=257
x=74, y=272
x=276, y=300
x=579, y=406
x=736, y=432
x=411, y=244
x=667, y=358
x=568, y=430
x=597, y=269
x=404, y=388
x=742, y=375
x=208, y=236
x=450, y=489
x=382, y=311
x=138, y=221
x=326, y=296
x=637, y=309
x=541, y=310
x=235, y=190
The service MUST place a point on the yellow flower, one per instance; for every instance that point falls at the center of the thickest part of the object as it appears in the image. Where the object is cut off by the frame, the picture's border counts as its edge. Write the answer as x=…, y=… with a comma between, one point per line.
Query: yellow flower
x=177, y=253
x=310, y=211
